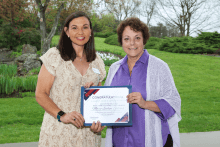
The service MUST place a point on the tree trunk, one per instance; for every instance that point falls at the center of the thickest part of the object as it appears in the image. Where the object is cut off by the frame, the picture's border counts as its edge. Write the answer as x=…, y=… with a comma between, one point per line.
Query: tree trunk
x=47, y=40
x=12, y=15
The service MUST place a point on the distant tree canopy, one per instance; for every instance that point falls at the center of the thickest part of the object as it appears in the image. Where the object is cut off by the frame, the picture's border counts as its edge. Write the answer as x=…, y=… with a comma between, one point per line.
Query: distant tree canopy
x=161, y=31
x=13, y=11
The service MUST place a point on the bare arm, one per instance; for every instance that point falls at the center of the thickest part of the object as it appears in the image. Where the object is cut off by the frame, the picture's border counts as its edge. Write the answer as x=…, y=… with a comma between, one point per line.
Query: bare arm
x=136, y=97
x=151, y=105
x=44, y=84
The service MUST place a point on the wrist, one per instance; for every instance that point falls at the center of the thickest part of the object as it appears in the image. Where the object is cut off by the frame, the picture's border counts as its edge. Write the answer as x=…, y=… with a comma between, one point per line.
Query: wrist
x=59, y=115
x=146, y=105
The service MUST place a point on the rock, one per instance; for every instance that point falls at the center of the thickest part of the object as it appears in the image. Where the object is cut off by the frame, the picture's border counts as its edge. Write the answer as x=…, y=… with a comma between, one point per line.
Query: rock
x=4, y=56
x=27, y=62
x=27, y=48
x=32, y=62
x=22, y=58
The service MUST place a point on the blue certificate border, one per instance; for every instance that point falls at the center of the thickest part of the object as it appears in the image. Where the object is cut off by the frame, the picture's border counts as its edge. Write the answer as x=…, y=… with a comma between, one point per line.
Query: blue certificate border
x=108, y=124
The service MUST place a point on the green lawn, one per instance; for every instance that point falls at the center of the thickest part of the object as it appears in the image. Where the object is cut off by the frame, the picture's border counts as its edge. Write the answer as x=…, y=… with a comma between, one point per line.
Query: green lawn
x=196, y=77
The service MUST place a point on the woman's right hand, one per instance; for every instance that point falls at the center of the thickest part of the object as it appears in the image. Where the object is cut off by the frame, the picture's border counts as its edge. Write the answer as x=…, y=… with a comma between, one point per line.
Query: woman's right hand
x=74, y=118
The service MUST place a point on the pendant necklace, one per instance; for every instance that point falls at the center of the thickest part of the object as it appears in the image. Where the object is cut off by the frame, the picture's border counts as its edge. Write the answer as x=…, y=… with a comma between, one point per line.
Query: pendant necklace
x=80, y=58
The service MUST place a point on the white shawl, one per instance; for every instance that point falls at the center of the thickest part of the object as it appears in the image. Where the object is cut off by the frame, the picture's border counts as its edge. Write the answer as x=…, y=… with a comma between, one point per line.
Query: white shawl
x=159, y=85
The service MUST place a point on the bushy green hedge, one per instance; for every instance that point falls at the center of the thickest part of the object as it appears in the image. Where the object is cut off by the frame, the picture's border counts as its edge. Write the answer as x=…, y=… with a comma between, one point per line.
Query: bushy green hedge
x=113, y=40
x=209, y=38
x=31, y=36
x=103, y=35
x=11, y=37
x=153, y=43
x=184, y=45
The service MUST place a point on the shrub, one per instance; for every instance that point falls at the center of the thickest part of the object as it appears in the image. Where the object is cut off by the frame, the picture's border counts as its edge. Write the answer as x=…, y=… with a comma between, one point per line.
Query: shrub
x=103, y=35
x=9, y=36
x=153, y=43
x=31, y=36
x=109, y=62
x=209, y=38
x=113, y=40
x=184, y=45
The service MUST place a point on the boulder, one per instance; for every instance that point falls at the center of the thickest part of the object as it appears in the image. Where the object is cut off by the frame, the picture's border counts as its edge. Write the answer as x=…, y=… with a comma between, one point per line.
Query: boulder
x=27, y=62
x=31, y=62
x=27, y=48
x=5, y=56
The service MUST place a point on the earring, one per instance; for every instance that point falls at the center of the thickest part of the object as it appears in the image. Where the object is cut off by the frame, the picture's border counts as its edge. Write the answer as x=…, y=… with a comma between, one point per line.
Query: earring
x=68, y=36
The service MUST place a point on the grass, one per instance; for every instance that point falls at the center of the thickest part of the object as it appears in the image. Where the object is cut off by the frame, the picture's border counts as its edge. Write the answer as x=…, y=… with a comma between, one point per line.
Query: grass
x=196, y=77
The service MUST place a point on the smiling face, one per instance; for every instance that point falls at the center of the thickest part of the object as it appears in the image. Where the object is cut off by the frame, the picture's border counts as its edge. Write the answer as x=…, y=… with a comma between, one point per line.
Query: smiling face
x=132, y=42
x=79, y=31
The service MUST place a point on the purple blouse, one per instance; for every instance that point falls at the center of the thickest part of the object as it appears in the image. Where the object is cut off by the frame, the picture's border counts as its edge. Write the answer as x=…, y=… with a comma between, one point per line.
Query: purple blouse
x=135, y=135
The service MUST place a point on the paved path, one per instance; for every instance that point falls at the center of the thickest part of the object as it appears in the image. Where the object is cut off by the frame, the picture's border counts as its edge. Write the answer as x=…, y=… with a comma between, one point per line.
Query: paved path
x=198, y=139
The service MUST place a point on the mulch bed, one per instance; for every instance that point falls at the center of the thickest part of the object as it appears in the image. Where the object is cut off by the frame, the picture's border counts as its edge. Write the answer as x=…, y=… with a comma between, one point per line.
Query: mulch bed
x=215, y=54
x=15, y=94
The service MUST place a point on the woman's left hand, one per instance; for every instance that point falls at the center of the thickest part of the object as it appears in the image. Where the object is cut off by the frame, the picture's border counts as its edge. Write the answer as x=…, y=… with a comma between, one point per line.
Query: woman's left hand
x=136, y=98
x=97, y=127
x=89, y=84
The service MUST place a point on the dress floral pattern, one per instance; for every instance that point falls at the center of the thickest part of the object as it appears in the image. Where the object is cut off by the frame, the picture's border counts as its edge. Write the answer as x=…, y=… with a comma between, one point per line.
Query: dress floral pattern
x=66, y=94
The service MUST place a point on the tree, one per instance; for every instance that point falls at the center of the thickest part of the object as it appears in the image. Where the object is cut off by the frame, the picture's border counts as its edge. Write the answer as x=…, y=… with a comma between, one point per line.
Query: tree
x=188, y=15
x=76, y=5
x=122, y=8
x=107, y=23
x=148, y=9
x=46, y=39
x=13, y=11
x=51, y=11
x=162, y=30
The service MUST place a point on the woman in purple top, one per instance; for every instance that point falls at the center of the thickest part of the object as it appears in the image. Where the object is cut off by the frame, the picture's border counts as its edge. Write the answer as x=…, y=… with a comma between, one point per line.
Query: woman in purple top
x=155, y=100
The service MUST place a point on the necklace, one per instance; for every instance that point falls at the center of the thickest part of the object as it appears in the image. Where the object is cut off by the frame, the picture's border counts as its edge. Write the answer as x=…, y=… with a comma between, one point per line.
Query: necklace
x=80, y=58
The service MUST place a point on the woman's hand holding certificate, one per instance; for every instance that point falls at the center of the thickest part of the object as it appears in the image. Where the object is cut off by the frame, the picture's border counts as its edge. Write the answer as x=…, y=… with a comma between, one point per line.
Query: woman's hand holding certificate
x=96, y=127
x=106, y=104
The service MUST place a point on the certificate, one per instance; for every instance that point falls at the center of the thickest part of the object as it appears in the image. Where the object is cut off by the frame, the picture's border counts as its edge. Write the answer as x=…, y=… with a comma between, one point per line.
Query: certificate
x=108, y=104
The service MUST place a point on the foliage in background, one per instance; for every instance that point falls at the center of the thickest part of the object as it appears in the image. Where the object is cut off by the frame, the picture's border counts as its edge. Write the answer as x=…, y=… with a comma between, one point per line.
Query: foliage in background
x=12, y=37
x=109, y=62
x=106, y=23
x=13, y=11
x=10, y=83
x=8, y=70
x=113, y=40
x=184, y=45
x=103, y=35
x=9, y=36
x=153, y=43
x=210, y=39
x=31, y=36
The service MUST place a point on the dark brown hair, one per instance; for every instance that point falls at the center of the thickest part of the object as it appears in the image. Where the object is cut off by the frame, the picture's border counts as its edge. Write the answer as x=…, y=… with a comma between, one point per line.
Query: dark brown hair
x=65, y=47
x=136, y=25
